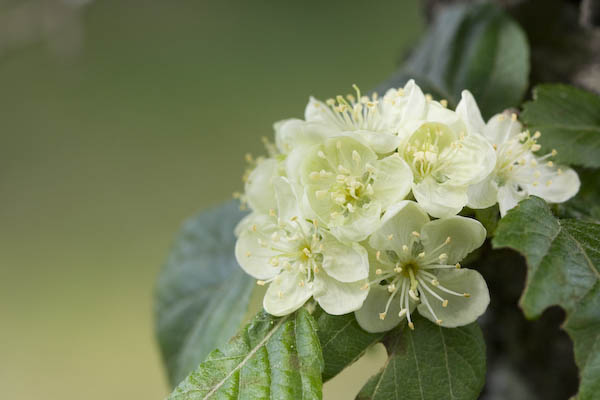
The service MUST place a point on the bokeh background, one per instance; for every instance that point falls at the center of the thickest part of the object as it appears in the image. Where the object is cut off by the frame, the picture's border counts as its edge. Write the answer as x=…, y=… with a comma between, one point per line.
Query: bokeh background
x=119, y=119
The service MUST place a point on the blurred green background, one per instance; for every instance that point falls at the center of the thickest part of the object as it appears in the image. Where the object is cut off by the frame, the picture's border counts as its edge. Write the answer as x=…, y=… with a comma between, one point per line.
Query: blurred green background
x=119, y=120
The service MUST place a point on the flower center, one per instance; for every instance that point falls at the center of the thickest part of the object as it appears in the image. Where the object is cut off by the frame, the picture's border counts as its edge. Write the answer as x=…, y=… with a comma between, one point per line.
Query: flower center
x=516, y=160
x=298, y=249
x=411, y=276
x=354, y=113
x=351, y=188
x=429, y=149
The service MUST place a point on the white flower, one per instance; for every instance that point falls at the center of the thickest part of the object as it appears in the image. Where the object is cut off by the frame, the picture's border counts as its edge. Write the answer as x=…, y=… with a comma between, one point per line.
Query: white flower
x=416, y=266
x=519, y=172
x=348, y=188
x=300, y=259
x=375, y=120
x=446, y=155
x=258, y=189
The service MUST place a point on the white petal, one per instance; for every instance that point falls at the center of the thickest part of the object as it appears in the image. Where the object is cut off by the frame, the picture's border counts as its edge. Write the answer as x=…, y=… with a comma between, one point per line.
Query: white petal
x=438, y=199
x=393, y=180
x=398, y=224
x=368, y=317
x=337, y=297
x=286, y=294
x=460, y=310
x=381, y=142
x=293, y=133
x=466, y=235
x=361, y=224
x=501, y=127
x=259, y=186
x=416, y=102
x=483, y=194
x=469, y=112
x=287, y=200
x=254, y=258
x=474, y=161
x=508, y=197
x=345, y=262
x=317, y=111
x=554, y=187
x=437, y=113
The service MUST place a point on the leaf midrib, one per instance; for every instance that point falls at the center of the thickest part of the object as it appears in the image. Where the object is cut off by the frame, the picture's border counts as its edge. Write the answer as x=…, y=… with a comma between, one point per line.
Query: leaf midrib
x=250, y=354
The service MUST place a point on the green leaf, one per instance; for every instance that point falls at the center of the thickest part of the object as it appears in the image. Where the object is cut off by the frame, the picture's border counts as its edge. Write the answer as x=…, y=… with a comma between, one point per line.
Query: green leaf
x=277, y=358
x=586, y=204
x=563, y=261
x=474, y=47
x=569, y=120
x=430, y=362
x=202, y=294
x=343, y=341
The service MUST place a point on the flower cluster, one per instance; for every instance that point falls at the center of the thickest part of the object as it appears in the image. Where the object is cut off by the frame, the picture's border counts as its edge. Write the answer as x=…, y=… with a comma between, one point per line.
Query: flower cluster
x=356, y=205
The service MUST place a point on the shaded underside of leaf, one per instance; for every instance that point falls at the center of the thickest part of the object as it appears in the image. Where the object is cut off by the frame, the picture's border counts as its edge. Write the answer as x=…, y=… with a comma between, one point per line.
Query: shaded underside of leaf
x=343, y=341
x=202, y=294
x=563, y=261
x=475, y=47
x=277, y=358
x=569, y=120
x=430, y=362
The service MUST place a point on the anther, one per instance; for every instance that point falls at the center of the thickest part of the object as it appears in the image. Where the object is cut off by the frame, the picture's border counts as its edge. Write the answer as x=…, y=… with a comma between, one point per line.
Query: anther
x=382, y=315
x=280, y=294
x=457, y=265
x=467, y=295
x=422, y=254
x=553, y=152
x=390, y=236
x=301, y=283
x=550, y=164
x=402, y=313
x=443, y=257
x=435, y=282
x=439, y=322
x=513, y=116
x=378, y=255
x=260, y=283
x=445, y=303
x=444, y=103
x=537, y=134
x=535, y=147
x=416, y=234
x=405, y=248
x=428, y=97
x=321, y=154
x=378, y=271
x=411, y=326
x=355, y=156
x=448, y=240
x=365, y=286
x=272, y=212
x=315, y=175
x=253, y=228
x=398, y=268
x=248, y=254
